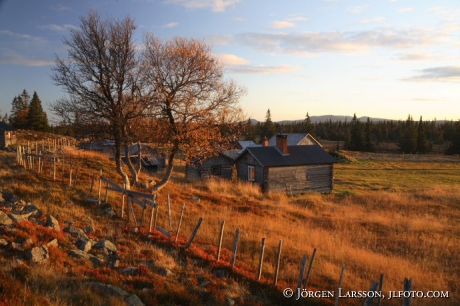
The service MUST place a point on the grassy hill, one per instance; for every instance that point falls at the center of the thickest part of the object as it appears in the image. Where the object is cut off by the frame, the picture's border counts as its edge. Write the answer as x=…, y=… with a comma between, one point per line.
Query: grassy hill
x=391, y=214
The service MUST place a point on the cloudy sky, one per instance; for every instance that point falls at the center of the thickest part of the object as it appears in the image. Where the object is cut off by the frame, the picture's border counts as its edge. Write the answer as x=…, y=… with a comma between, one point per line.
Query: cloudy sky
x=380, y=58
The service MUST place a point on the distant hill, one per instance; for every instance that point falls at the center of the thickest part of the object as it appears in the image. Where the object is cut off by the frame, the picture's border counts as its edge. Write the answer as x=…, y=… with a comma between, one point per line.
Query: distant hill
x=324, y=118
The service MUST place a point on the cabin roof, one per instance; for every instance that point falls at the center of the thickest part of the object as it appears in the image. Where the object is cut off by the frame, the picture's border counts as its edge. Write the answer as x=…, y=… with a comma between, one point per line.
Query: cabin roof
x=297, y=156
x=7, y=128
x=294, y=139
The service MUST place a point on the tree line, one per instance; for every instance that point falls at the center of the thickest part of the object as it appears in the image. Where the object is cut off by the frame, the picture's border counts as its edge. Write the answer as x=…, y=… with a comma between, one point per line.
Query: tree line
x=27, y=113
x=411, y=136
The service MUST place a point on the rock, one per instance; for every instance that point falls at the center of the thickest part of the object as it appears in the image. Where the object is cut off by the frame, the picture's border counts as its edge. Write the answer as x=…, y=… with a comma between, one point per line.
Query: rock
x=79, y=254
x=130, y=271
x=108, y=211
x=53, y=243
x=96, y=260
x=105, y=245
x=114, y=264
x=4, y=219
x=84, y=245
x=195, y=199
x=108, y=289
x=165, y=272
x=37, y=254
x=88, y=229
x=133, y=300
x=32, y=210
x=3, y=242
x=76, y=232
x=230, y=302
x=53, y=223
x=18, y=218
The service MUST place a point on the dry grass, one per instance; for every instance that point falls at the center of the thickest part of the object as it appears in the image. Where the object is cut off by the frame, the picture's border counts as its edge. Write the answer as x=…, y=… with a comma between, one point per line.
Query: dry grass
x=379, y=221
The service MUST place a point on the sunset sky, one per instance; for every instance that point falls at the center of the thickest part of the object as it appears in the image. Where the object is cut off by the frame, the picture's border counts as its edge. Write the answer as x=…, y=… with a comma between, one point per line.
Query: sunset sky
x=383, y=58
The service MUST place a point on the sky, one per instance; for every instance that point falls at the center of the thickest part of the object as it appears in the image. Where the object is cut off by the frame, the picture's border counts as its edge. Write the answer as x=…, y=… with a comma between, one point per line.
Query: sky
x=380, y=58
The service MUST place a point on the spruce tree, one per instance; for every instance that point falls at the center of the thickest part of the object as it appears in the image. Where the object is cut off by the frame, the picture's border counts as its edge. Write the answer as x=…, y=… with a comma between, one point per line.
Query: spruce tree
x=369, y=146
x=19, y=110
x=423, y=146
x=268, y=129
x=37, y=119
x=408, y=142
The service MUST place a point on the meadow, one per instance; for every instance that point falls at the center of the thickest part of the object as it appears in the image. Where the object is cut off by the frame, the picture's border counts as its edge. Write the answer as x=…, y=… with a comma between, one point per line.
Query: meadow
x=391, y=214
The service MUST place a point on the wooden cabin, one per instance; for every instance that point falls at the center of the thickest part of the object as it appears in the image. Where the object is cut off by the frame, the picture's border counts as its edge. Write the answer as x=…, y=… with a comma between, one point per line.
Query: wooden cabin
x=7, y=135
x=220, y=166
x=290, y=169
x=296, y=139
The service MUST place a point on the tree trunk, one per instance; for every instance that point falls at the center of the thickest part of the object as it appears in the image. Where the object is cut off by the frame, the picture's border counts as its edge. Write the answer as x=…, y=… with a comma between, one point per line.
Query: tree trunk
x=169, y=170
x=135, y=171
x=119, y=165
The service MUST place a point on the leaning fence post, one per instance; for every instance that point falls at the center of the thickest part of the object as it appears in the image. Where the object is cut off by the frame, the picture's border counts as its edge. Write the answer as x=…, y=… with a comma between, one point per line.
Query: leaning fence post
x=302, y=272
x=339, y=288
x=151, y=219
x=219, y=243
x=169, y=212
x=100, y=185
x=307, y=277
x=106, y=192
x=380, y=287
x=407, y=288
x=235, y=246
x=132, y=211
x=122, y=199
x=180, y=221
x=369, y=298
x=275, y=280
x=195, y=230
x=261, y=259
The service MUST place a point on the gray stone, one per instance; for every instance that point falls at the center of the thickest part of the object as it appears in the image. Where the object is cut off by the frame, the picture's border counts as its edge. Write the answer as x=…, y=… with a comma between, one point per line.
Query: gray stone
x=53, y=243
x=4, y=219
x=96, y=260
x=108, y=211
x=76, y=232
x=79, y=254
x=37, y=254
x=165, y=272
x=32, y=210
x=84, y=245
x=88, y=229
x=230, y=302
x=130, y=271
x=108, y=289
x=133, y=300
x=53, y=223
x=18, y=218
x=105, y=245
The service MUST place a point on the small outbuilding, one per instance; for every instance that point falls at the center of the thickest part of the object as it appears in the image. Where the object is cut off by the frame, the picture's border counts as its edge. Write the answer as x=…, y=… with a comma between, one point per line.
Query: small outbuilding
x=7, y=135
x=220, y=166
x=283, y=168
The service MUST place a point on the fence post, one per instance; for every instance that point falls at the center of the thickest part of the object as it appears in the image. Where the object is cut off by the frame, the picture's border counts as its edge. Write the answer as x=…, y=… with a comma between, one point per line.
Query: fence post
x=195, y=230
x=339, y=288
x=301, y=273
x=407, y=288
x=169, y=213
x=307, y=277
x=151, y=219
x=219, y=243
x=122, y=200
x=180, y=221
x=275, y=280
x=261, y=259
x=54, y=166
x=155, y=219
x=380, y=287
x=106, y=192
x=100, y=185
x=132, y=211
x=373, y=288
x=235, y=246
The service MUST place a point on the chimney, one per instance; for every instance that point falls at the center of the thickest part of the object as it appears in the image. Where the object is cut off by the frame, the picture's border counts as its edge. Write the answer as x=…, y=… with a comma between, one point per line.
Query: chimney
x=281, y=143
x=265, y=142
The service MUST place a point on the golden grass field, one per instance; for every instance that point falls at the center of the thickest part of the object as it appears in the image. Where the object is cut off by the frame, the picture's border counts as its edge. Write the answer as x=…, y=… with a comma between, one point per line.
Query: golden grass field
x=391, y=214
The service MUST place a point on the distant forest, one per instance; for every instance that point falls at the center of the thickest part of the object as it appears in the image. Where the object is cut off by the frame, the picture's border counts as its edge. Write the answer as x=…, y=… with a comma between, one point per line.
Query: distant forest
x=409, y=136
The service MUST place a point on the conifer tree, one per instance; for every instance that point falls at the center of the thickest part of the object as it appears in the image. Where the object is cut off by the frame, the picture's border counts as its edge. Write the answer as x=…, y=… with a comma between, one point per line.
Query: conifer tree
x=408, y=142
x=369, y=146
x=268, y=129
x=20, y=108
x=423, y=146
x=37, y=119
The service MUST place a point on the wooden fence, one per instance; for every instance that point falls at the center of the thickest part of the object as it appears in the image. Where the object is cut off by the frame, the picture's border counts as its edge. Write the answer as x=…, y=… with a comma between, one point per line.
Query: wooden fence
x=49, y=164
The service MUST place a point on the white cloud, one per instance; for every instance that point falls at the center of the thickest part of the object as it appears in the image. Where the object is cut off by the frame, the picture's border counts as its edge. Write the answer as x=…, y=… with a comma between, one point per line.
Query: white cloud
x=59, y=28
x=171, y=25
x=280, y=24
x=358, y=9
x=19, y=35
x=405, y=9
x=15, y=59
x=449, y=74
x=262, y=69
x=375, y=19
x=232, y=60
x=306, y=43
x=414, y=56
x=214, y=5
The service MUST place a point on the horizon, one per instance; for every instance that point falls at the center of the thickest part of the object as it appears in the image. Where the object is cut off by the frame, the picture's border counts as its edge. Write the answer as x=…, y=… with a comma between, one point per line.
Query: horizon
x=385, y=60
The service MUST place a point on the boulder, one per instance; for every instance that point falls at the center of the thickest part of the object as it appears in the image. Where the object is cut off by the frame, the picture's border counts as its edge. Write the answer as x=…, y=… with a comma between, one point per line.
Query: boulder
x=4, y=219
x=106, y=245
x=76, y=232
x=37, y=254
x=53, y=223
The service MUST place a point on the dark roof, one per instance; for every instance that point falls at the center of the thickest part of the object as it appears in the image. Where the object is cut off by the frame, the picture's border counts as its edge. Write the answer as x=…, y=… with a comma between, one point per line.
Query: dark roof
x=6, y=127
x=294, y=139
x=298, y=155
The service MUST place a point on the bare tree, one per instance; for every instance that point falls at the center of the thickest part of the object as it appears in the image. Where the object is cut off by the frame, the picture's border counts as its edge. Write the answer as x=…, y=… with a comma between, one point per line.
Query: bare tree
x=100, y=76
x=195, y=111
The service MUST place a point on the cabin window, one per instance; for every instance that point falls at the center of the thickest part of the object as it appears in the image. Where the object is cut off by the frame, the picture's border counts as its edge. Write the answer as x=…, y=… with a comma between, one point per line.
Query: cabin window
x=251, y=173
x=215, y=170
